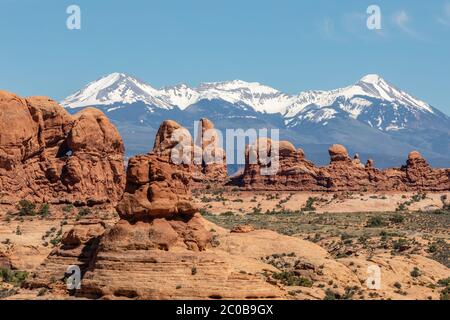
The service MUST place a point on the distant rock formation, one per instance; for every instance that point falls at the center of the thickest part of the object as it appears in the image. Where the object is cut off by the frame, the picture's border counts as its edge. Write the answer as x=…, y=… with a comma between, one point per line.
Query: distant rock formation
x=47, y=155
x=205, y=157
x=293, y=172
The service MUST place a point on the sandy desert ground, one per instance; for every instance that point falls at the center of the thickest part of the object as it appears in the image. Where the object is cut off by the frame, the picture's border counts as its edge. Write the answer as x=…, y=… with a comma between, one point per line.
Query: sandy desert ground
x=292, y=245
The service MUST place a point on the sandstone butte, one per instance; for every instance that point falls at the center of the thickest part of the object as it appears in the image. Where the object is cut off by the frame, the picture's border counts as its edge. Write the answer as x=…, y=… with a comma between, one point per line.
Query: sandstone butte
x=48, y=155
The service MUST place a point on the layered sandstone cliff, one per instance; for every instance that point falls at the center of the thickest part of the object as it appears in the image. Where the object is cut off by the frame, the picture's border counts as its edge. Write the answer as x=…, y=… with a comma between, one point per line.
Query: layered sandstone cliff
x=48, y=155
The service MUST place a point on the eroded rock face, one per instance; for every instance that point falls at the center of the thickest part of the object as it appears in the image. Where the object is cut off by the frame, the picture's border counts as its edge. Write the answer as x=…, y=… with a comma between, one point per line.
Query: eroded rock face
x=338, y=153
x=47, y=155
x=156, y=188
x=418, y=175
x=294, y=172
x=205, y=157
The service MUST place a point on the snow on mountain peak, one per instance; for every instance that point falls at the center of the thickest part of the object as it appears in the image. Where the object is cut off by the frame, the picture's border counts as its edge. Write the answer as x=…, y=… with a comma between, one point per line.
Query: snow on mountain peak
x=114, y=88
x=374, y=86
x=357, y=97
x=371, y=78
x=261, y=97
x=120, y=88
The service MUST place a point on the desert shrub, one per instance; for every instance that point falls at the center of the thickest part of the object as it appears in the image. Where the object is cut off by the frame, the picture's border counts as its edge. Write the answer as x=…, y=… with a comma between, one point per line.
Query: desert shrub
x=26, y=208
x=13, y=277
x=376, y=221
x=227, y=213
x=400, y=245
x=415, y=272
x=256, y=211
x=55, y=241
x=445, y=293
x=44, y=210
x=331, y=295
x=401, y=207
x=363, y=239
x=288, y=278
x=68, y=208
x=309, y=206
x=444, y=282
x=397, y=218
x=419, y=196
x=84, y=212
x=398, y=285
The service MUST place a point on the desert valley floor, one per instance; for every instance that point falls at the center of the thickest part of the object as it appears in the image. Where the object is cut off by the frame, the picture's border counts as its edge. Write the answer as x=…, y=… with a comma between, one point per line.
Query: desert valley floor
x=289, y=245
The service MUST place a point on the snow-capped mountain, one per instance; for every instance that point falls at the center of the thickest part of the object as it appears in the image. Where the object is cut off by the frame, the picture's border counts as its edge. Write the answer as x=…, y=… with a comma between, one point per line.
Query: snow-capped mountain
x=371, y=100
x=371, y=116
x=115, y=88
x=121, y=88
x=260, y=97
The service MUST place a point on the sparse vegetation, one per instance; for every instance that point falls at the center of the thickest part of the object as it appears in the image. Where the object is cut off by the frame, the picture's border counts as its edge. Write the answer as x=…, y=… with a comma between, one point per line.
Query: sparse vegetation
x=13, y=277
x=415, y=272
x=26, y=208
x=375, y=222
x=397, y=218
x=309, y=206
x=289, y=278
x=44, y=210
x=68, y=208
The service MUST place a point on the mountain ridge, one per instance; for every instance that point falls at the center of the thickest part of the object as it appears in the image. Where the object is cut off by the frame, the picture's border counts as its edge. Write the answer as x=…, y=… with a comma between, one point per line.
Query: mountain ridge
x=370, y=116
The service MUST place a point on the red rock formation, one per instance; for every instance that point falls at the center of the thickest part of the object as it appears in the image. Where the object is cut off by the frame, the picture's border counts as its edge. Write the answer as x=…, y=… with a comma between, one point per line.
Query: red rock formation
x=158, y=246
x=161, y=238
x=342, y=174
x=293, y=171
x=418, y=175
x=156, y=188
x=205, y=158
x=47, y=155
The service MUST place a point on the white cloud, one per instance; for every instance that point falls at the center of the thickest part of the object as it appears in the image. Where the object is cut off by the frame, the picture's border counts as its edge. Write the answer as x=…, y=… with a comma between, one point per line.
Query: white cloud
x=445, y=17
x=402, y=20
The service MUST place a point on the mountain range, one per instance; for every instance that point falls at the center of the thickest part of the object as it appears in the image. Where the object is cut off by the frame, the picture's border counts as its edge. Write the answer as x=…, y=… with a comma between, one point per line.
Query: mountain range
x=371, y=117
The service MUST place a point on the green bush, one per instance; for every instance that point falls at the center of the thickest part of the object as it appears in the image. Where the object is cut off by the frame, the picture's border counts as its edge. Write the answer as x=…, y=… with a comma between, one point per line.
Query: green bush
x=397, y=218
x=44, y=210
x=13, y=277
x=68, y=208
x=26, y=208
x=415, y=272
x=309, y=206
x=376, y=221
x=288, y=278
x=84, y=212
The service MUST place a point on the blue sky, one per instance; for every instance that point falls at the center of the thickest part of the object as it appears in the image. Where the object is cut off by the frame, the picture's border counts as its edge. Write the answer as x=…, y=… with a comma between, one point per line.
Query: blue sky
x=290, y=45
